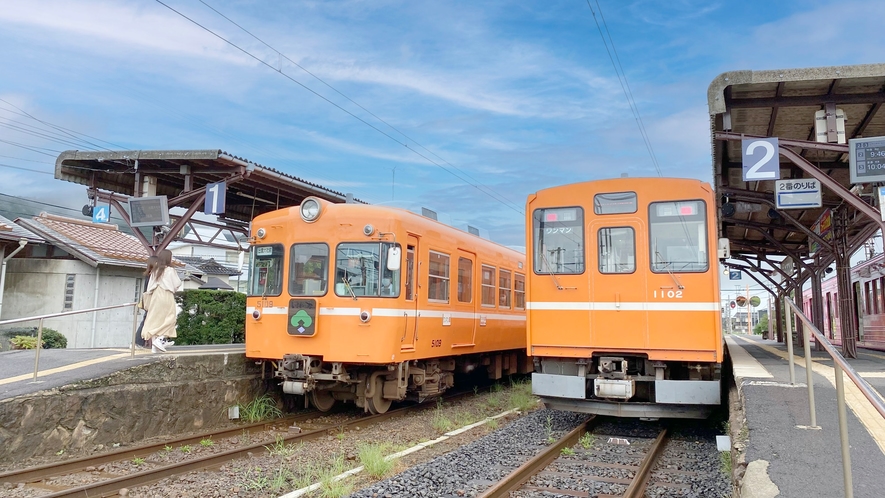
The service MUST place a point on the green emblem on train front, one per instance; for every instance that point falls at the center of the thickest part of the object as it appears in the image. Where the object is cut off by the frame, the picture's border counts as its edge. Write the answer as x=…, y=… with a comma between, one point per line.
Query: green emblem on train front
x=302, y=317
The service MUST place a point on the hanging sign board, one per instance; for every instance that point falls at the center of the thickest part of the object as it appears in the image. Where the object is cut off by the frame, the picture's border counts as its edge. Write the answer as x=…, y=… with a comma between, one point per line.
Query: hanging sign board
x=800, y=193
x=760, y=158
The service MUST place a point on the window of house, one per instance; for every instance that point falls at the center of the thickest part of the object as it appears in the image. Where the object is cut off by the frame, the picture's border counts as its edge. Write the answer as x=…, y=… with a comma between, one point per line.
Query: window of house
x=438, y=277
x=504, y=289
x=488, y=285
x=465, y=280
x=519, y=291
x=69, y=291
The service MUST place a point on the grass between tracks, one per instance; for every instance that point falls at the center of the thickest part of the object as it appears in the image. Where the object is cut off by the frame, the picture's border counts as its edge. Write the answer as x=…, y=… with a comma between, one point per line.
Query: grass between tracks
x=292, y=469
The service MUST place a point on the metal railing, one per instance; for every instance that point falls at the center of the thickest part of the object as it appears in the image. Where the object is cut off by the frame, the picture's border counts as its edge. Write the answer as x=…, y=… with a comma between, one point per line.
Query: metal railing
x=67, y=313
x=839, y=365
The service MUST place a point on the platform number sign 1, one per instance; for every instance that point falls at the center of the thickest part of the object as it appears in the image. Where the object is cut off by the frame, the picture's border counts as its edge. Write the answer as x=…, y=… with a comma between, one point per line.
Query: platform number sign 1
x=215, y=197
x=761, y=160
x=101, y=214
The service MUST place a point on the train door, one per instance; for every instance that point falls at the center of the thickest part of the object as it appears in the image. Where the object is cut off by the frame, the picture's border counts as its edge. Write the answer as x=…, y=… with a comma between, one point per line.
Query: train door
x=410, y=328
x=464, y=321
x=617, y=270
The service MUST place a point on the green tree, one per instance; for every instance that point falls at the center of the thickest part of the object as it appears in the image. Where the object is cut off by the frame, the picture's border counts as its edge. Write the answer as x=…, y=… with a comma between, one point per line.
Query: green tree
x=762, y=326
x=211, y=317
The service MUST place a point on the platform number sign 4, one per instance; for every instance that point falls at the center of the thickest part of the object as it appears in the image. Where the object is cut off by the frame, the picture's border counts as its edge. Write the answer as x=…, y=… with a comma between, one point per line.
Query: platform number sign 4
x=215, y=197
x=761, y=160
x=101, y=214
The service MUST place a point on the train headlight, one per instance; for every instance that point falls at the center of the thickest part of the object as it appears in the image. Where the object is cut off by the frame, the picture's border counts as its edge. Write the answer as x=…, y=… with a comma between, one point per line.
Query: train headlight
x=310, y=209
x=256, y=314
x=365, y=316
x=261, y=233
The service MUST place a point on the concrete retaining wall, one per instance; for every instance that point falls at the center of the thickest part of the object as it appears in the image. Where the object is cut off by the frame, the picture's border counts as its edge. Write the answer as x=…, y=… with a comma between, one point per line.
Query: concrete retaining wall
x=175, y=395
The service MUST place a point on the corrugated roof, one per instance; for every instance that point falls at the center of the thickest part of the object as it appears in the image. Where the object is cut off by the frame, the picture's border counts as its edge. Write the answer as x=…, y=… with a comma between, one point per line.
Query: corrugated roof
x=92, y=243
x=207, y=266
x=9, y=231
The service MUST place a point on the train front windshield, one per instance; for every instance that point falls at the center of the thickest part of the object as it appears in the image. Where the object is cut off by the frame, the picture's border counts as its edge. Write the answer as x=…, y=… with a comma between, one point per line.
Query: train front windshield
x=266, y=270
x=678, y=236
x=558, y=240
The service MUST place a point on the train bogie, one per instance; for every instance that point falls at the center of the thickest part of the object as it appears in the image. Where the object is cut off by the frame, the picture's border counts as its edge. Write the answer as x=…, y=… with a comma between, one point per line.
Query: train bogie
x=623, y=313
x=372, y=305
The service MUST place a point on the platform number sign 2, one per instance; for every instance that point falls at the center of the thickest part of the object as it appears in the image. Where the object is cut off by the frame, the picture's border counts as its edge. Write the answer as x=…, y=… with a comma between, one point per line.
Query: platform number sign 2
x=761, y=160
x=215, y=197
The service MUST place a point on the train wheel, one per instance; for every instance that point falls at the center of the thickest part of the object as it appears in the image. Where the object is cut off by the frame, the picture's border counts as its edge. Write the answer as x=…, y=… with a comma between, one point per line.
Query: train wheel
x=377, y=404
x=322, y=400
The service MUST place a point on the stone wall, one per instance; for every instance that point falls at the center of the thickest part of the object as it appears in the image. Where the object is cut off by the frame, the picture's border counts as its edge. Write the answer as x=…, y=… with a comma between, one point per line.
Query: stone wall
x=174, y=395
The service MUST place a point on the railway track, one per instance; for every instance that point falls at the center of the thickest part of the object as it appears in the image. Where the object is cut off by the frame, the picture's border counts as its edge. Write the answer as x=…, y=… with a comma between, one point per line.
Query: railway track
x=584, y=464
x=45, y=477
x=56, y=478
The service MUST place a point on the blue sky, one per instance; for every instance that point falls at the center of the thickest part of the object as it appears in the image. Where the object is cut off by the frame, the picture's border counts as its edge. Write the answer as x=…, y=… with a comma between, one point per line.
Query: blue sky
x=495, y=100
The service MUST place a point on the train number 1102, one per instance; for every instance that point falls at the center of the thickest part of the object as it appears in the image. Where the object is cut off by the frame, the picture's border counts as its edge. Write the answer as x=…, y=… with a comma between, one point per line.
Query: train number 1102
x=671, y=294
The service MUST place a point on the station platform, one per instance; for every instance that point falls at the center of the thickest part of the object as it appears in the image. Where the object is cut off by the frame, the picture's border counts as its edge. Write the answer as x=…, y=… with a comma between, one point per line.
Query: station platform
x=785, y=457
x=60, y=367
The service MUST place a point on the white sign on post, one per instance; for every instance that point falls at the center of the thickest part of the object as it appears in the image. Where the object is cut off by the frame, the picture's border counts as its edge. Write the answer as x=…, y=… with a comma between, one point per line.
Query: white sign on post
x=800, y=193
x=760, y=159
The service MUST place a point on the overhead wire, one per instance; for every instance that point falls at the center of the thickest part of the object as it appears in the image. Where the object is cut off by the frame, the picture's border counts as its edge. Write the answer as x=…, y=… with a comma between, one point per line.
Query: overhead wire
x=622, y=80
x=452, y=170
x=67, y=131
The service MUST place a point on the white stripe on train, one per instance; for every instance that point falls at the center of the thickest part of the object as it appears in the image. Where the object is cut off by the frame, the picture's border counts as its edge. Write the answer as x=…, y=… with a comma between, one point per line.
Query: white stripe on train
x=624, y=306
x=395, y=312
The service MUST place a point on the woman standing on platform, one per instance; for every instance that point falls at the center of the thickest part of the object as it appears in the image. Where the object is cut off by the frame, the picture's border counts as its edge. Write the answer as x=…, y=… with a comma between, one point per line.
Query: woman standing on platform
x=159, y=300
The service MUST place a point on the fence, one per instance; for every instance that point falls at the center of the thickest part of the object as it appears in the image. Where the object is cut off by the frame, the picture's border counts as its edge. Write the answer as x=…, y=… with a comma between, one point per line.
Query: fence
x=77, y=312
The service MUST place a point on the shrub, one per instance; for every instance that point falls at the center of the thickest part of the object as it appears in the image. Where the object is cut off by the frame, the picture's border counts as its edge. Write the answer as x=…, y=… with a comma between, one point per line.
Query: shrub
x=23, y=342
x=51, y=338
x=211, y=317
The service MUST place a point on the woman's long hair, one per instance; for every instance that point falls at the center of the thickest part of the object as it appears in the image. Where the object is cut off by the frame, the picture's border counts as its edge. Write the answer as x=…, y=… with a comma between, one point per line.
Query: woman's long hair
x=152, y=263
x=164, y=260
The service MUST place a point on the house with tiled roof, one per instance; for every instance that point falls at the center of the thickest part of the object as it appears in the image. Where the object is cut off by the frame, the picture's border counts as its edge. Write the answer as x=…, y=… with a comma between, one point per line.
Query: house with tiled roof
x=201, y=272
x=13, y=240
x=72, y=265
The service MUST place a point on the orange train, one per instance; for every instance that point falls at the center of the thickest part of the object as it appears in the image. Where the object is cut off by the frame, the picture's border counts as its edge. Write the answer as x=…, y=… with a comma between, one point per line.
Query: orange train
x=623, y=297
x=371, y=304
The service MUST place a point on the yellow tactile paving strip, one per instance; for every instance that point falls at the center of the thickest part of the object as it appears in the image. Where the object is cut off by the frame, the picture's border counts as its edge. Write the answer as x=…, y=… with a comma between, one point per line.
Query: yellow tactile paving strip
x=868, y=416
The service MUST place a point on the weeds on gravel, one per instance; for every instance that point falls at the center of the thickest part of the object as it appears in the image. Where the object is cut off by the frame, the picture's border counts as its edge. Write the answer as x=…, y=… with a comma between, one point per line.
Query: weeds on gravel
x=167, y=448
x=521, y=396
x=567, y=451
x=261, y=408
x=587, y=440
x=245, y=437
x=329, y=487
x=255, y=480
x=441, y=422
x=548, y=430
x=725, y=463
x=207, y=442
x=281, y=449
x=186, y=448
x=138, y=460
x=281, y=479
x=372, y=458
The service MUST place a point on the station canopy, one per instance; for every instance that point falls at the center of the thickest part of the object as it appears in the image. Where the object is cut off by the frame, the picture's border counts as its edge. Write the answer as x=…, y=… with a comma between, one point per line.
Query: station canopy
x=787, y=104
x=182, y=176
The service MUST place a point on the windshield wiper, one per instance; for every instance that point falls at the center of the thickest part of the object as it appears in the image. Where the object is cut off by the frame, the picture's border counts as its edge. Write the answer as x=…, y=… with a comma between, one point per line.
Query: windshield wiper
x=348, y=287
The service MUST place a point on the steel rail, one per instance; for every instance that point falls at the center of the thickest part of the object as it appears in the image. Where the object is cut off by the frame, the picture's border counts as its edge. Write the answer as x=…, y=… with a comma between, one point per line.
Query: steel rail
x=34, y=474
x=112, y=486
x=524, y=472
x=640, y=480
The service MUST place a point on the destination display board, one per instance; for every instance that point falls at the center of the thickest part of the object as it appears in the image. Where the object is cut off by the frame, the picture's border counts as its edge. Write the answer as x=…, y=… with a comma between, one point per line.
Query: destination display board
x=866, y=159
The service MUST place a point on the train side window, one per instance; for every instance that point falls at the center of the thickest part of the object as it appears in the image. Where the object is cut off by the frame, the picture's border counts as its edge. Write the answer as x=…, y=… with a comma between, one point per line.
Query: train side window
x=465, y=280
x=558, y=240
x=617, y=250
x=410, y=272
x=488, y=285
x=361, y=270
x=678, y=236
x=519, y=291
x=266, y=270
x=504, y=289
x=438, y=277
x=308, y=269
